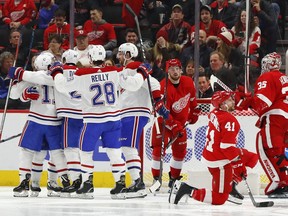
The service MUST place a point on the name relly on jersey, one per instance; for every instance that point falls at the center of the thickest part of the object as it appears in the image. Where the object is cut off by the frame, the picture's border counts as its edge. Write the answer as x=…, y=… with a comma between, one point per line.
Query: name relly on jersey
x=179, y=105
x=99, y=77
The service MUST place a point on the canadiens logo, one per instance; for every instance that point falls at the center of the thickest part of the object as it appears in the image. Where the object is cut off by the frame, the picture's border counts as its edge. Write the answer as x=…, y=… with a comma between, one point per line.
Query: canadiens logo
x=179, y=105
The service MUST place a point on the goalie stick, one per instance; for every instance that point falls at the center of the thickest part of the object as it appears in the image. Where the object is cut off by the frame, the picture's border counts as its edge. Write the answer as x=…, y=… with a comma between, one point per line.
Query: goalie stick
x=256, y=204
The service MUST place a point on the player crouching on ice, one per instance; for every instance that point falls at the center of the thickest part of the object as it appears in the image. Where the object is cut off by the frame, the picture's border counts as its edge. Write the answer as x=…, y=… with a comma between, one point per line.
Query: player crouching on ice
x=226, y=163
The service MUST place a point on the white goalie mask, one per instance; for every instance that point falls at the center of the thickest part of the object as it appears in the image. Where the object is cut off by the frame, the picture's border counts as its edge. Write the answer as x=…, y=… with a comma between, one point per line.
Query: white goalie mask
x=271, y=61
x=97, y=53
x=44, y=61
x=70, y=57
x=128, y=48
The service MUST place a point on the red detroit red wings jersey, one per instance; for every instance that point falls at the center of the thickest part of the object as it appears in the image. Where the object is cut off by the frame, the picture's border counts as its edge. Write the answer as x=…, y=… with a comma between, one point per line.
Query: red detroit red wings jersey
x=180, y=99
x=215, y=28
x=99, y=34
x=221, y=139
x=272, y=89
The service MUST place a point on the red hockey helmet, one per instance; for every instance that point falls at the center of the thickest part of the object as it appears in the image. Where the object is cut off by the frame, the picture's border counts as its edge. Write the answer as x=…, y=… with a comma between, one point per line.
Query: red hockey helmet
x=173, y=63
x=219, y=97
x=271, y=61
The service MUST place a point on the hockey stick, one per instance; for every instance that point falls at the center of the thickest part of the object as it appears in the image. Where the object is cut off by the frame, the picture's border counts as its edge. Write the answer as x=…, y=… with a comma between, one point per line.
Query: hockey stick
x=9, y=91
x=256, y=204
x=9, y=138
x=144, y=59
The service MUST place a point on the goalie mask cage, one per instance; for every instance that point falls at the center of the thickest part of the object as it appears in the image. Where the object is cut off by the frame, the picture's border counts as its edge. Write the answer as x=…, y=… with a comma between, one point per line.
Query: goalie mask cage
x=193, y=169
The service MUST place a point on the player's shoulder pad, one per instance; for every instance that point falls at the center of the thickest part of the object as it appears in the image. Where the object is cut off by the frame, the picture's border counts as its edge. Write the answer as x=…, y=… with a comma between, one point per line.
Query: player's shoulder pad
x=133, y=65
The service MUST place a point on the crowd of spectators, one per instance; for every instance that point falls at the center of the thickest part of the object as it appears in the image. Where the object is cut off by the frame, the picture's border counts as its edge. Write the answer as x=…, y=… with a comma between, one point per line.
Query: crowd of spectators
x=168, y=30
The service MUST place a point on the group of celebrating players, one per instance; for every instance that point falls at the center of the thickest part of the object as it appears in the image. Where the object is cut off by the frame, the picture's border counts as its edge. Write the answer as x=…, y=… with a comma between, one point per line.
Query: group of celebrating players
x=72, y=108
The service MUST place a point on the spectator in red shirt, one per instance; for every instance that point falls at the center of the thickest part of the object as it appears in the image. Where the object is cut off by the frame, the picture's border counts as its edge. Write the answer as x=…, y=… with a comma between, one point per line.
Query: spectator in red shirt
x=99, y=31
x=176, y=31
x=60, y=27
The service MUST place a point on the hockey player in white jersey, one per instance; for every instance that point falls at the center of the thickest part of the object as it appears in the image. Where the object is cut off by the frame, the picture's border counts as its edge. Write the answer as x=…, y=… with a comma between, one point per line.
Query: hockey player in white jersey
x=42, y=126
x=136, y=112
x=99, y=87
x=68, y=107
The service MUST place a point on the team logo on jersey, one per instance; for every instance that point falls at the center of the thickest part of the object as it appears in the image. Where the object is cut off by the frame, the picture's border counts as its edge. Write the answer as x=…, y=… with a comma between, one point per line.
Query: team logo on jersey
x=179, y=105
x=17, y=15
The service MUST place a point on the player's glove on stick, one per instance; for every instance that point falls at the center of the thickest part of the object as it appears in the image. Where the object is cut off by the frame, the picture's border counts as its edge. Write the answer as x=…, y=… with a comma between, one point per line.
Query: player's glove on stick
x=30, y=93
x=194, y=115
x=175, y=126
x=16, y=73
x=144, y=69
x=239, y=170
x=56, y=68
x=161, y=109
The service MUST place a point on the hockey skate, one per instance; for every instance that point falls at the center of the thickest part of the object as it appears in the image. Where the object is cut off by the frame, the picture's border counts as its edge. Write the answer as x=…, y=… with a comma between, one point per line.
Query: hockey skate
x=119, y=191
x=171, y=181
x=86, y=191
x=70, y=191
x=35, y=189
x=22, y=190
x=156, y=183
x=178, y=191
x=53, y=189
x=234, y=196
x=137, y=190
x=279, y=193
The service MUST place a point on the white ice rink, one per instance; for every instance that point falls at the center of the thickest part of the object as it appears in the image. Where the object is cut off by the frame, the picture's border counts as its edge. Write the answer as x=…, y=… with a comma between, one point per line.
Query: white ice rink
x=103, y=205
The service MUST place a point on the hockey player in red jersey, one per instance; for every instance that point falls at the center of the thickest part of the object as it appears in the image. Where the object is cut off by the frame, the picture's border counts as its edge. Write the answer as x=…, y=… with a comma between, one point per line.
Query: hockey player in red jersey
x=181, y=101
x=223, y=158
x=270, y=103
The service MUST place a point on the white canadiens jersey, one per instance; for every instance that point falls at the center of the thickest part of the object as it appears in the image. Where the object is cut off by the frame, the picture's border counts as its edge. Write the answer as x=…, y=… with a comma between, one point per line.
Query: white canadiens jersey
x=43, y=110
x=99, y=88
x=137, y=103
x=68, y=104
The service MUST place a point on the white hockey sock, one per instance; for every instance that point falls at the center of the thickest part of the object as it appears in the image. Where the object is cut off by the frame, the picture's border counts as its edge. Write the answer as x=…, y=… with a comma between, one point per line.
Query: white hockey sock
x=133, y=162
x=37, y=165
x=58, y=158
x=73, y=162
x=25, y=164
x=52, y=171
x=117, y=163
x=87, y=164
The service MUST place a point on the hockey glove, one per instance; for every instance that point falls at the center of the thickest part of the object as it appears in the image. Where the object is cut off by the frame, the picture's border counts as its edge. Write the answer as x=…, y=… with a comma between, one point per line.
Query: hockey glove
x=239, y=170
x=175, y=127
x=161, y=109
x=245, y=102
x=16, y=73
x=56, y=68
x=144, y=69
x=194, y=115
x=30, y=93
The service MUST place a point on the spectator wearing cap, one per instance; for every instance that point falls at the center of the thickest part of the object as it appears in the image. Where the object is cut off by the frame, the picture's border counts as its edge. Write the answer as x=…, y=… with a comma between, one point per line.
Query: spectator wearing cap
x=99, y=31
x=177, y=31
x=60, y=27
x=211, y=26
x=82, y=47
x=224, y=11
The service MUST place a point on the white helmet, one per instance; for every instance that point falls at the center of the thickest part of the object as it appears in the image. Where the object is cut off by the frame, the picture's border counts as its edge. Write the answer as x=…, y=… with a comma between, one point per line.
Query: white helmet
x=271, y=61
x=128, y=47
x=44, y=61
x=97, y=53
x=70, y=56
